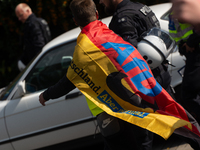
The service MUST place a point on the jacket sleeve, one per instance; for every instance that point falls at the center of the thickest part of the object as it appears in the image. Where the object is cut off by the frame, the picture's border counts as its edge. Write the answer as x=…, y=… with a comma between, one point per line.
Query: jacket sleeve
x=137, y=26
x=193, y=40
x=129, y=27
x=126, y=28
x=61, y=88
x=36, y=36
x=33, y=41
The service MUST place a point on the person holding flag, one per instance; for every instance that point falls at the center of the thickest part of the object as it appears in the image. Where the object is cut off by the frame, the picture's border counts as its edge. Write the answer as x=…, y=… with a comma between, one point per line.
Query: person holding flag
x=113, y=75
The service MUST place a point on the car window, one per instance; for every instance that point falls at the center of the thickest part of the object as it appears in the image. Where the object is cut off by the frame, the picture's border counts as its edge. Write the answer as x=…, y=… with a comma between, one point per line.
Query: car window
x=5, y=92
x=166, y=16
x=8, y=89
x=50, y=68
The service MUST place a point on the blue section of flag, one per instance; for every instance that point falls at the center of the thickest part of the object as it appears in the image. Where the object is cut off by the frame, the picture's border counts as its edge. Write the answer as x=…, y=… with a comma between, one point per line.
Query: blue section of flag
x=106, y=98
x=142, y=75
x=136, y=113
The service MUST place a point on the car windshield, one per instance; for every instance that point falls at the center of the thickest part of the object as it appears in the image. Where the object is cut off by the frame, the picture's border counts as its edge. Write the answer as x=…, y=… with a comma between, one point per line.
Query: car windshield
x=5, y=92
x=165, y=16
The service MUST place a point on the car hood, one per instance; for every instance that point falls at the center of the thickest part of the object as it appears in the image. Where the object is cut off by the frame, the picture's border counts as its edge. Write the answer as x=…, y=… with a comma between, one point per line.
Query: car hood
x=158, y=9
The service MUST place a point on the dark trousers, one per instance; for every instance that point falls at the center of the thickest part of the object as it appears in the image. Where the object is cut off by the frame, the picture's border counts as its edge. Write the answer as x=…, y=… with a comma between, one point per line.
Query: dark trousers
x=190, y=96
x=125, y=136
x=191, y=101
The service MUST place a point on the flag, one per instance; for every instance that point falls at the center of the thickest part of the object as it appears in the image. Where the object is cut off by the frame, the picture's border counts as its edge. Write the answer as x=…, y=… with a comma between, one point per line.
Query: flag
x=114, y=76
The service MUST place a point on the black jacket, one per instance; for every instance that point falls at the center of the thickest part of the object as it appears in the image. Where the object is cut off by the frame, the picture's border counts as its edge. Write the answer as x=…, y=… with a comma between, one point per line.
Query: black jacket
x=61, y=88
x=131, y=20
x=33, y=39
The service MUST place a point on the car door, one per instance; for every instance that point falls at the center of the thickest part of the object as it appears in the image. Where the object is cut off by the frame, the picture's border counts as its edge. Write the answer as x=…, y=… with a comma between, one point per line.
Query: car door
x=31, y=125
x=4, y=138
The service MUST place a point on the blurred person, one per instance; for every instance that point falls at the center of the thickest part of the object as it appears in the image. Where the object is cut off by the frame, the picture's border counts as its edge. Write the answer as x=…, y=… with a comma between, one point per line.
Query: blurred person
x=36, y=34
x=188, y=44
x=98, y=71
x=188, y=41
x=187, y=11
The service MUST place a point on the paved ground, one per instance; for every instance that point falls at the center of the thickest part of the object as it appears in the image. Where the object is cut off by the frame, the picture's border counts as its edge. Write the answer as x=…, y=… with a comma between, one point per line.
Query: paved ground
x=173, y=143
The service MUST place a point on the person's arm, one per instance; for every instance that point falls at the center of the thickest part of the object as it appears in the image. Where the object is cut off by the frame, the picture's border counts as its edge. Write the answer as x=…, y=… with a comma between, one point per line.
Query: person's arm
x=61, y=88
x=36, y=36
x=193, y=40
x=131, y=37
x=33, y=41
x=127, y=29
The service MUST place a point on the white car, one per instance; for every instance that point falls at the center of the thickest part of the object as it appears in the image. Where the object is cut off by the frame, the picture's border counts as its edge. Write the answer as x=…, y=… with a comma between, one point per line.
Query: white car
x=25, y=124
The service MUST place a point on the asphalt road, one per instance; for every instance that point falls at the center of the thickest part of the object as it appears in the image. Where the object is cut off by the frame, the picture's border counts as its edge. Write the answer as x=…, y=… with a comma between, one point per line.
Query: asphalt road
x=89, y=143
x=173, y=143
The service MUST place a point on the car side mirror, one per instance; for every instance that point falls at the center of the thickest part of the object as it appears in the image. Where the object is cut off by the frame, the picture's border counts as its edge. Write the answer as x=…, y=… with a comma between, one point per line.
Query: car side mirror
x=20, y=91
x=66, y=61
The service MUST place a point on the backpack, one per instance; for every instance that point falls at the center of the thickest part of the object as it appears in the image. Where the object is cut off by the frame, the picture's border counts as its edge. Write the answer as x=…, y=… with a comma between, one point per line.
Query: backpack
x=45, y=29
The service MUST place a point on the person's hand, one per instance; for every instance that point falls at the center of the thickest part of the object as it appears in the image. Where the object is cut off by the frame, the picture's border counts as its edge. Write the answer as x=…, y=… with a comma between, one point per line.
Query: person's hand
x=41, y=99
x=187, y=11
x=188, y=49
